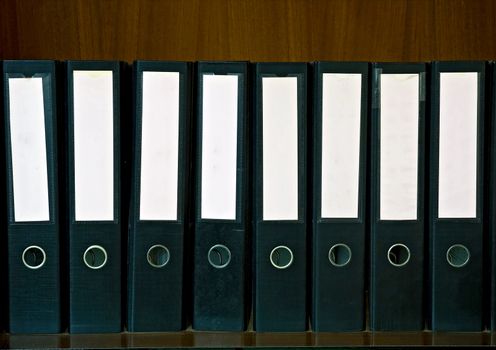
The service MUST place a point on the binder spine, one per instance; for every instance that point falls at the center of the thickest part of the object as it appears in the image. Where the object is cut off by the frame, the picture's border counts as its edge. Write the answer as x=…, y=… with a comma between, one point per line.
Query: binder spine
x=456, y=293
x=4, y=293
x=490, y=239
x=220, y=292
x=95, y=293
x=280, y=299
x=338, y=286
x=396, y=292
x=155, y=293
x=34, y=310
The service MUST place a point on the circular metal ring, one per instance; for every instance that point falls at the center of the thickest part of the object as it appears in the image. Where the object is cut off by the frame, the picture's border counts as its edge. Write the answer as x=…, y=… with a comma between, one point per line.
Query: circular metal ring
x=34, y=249
x=221, y=253
x=275, y=256
x=390, y=253
x=160, y=253
x=332, y=255
x=99, y=260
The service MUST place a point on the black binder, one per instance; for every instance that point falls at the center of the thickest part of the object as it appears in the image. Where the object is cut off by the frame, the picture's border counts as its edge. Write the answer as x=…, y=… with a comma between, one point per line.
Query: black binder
x=158, y=211
x=456, y=196
x=32, y=196
x=94, y=196
x=490, y=199
x=280, y=215
x=221, y=269
x=339, y=207
x=397, y=197
x=4, y=295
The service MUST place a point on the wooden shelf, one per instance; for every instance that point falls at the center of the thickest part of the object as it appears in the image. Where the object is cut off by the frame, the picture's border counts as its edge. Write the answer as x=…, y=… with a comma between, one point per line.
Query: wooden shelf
x=256, y=30
x=193, y=339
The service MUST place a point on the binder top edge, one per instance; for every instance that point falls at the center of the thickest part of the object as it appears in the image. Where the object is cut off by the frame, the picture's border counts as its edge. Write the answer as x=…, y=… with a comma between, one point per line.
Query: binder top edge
x=28, y=66
x=478, y=66
x=399, y=64
x=94, y=65
x=161, y=65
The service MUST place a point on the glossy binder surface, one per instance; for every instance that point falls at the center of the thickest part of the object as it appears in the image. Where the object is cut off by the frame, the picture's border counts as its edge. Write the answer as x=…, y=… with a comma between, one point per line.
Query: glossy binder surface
x=34, y=283
x=280, y=214
x=338, y=245
x=221, y=269
x=159, y=194
x=95, y=216
x=397, y=197
x=456, y=196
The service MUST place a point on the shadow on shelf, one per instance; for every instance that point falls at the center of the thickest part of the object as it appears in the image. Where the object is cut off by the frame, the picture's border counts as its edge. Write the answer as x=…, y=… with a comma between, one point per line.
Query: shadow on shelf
x=193, y=339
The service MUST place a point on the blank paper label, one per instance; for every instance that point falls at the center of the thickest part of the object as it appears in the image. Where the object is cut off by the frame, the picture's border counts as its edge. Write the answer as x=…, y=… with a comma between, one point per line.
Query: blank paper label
x=93, y=145
x=219, y=146
x=29, y=158
x=458, y=145
x=280, y=148
x=341, y=105
x=159, y=146
x=399, y=94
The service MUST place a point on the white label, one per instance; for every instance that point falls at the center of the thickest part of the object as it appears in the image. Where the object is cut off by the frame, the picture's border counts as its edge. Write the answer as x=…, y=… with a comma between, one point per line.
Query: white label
x=341, y=106
x=280, y=148
x=399, y=146
x=458, y=145
x=93, y=145
x=29, y=158
x=159, y=146
x=219, y=146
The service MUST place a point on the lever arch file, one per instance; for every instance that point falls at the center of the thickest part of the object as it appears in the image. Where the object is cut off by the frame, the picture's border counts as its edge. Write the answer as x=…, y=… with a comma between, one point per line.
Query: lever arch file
x=490, y=217
x=32, y=196
x=4, y=294
x=221, y=228
x=397, y=197
x=339, y=165
x=159, y=196
x=94, y=195
x=456, y=196
x=280, y=197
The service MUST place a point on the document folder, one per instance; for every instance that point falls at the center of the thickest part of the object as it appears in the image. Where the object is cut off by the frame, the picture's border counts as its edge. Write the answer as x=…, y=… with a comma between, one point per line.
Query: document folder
x=456, y=196
x=159, y=196
x=221, y=269
x=31, y=115
x=94, y=194
x=397, y=197
x=280, y=203
x=339, y=207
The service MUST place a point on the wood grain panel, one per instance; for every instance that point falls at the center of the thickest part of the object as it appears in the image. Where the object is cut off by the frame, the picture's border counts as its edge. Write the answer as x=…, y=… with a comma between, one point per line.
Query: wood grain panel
x=256, y=30
x=47, y=29
x=113, y=31
x=8, y=29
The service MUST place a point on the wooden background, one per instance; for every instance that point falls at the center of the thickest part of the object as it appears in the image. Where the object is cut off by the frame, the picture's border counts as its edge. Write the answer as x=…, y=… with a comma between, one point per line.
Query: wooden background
x=256, y=30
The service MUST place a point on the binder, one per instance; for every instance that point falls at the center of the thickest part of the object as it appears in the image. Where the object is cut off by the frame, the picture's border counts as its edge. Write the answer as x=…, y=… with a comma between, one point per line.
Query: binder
x=159, y=195
x=397, y=197
x=4, y=305
x=94, y=196
x=490, y=199
x=280, y=215
x=456, y=196
x=221, y=268
x=32, y=196
x=339, y=207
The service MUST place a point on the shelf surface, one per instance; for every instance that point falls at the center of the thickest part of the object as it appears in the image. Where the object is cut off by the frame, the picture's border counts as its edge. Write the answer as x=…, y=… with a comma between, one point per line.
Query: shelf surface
x=193, y=339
